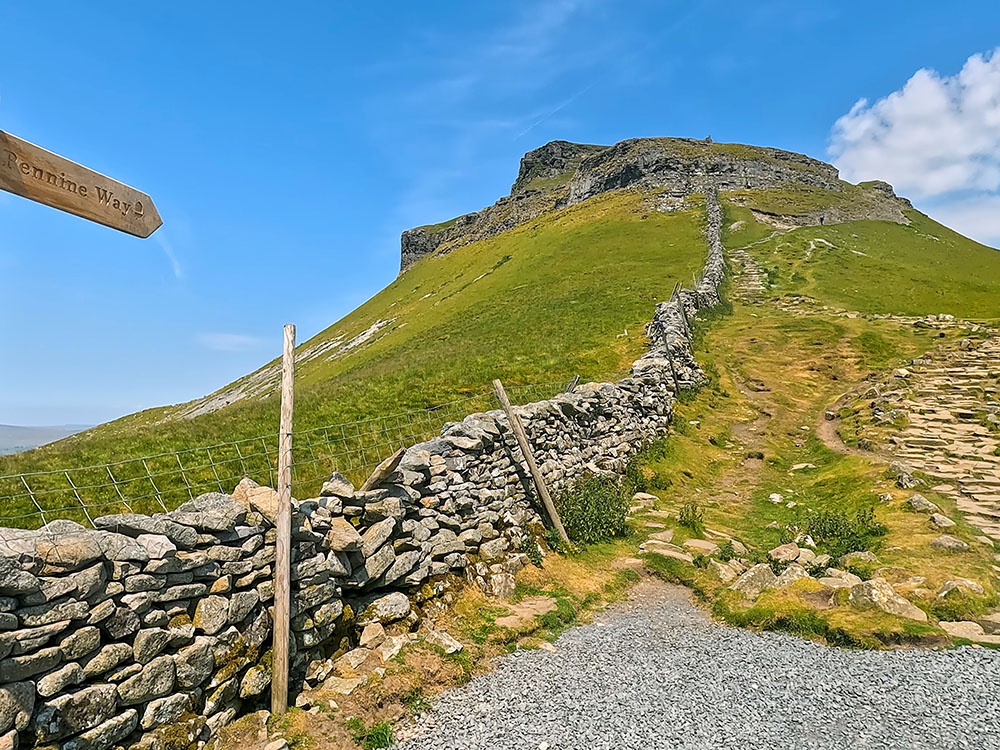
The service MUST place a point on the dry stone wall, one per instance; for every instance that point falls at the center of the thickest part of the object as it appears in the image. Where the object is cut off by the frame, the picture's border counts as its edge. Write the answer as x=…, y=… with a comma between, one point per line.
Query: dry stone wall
x=152, y=632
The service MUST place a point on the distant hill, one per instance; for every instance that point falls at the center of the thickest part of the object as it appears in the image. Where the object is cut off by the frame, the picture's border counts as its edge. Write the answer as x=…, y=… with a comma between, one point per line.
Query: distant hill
x=15, y=438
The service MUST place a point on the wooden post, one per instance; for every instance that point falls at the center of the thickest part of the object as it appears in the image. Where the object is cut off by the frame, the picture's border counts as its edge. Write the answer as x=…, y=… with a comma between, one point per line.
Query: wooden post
x=283, y=525
x=684, y=315
x=522, y=440
x=673, y=372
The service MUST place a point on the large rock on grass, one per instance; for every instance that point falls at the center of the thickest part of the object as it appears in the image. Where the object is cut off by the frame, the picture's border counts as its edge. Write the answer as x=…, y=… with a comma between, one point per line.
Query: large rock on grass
x=950, y=544
x=878, y=594
x=755, y=580
x=790, y=575
x=920, y=504
x=785, y=553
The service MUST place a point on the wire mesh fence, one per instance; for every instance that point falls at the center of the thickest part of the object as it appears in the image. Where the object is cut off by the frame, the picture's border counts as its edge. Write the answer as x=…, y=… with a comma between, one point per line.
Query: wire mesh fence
x=158, y=483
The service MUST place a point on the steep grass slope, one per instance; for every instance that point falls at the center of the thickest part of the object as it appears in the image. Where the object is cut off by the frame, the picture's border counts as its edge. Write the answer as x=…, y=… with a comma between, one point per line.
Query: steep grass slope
x=874, y=267
x=541, y=303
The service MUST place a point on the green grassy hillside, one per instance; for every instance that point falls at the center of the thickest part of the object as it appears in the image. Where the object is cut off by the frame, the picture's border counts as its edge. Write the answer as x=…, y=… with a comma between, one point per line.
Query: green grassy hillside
x=869, y=266
x=548, y=300
x=567, y=293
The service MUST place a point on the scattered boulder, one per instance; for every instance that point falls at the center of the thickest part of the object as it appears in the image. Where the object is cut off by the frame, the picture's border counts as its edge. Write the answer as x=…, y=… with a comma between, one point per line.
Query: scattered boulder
x=971, y=631
x=853, y=558
x=878, y=594
x=442, y=640
x=790, y=575
x=344, y=686
x=725, y=573
x=755, y=580
x=701, y=547
x=950, y=543
x=385, y=609
x=806, y=556
x=843, y=575
x=666, y=550
x=831, y=582
x=941, y=521
x=920, y=504
x=903, y=478
x=990, y=623
x=643, y=500
x=348, y=664
x=785, y=553
x=960, y=586
x=372, y=635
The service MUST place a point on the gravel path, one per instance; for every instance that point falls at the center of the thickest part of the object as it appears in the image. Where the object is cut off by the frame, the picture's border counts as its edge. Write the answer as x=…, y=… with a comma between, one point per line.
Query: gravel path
x=657, y=673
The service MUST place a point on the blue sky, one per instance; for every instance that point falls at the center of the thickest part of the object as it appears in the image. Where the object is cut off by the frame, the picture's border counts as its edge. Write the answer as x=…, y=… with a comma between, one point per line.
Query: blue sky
x=287, y=145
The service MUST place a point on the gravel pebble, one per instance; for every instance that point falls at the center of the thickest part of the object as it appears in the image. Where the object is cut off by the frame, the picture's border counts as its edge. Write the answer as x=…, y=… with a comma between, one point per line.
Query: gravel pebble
x=656, y=672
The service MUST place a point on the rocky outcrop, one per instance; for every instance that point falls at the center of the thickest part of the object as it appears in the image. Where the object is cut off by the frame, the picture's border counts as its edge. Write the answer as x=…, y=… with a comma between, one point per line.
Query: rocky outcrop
x=542, y=185
x=556, y=160
x=562, y=173
x=686, y=166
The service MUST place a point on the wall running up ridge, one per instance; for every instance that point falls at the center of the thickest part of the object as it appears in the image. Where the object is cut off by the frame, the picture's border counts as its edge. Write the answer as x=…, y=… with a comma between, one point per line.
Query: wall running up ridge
x=152, y=632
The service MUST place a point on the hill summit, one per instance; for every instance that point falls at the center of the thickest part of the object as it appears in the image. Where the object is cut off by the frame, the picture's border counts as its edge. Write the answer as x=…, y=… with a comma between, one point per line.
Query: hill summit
x=561, y=173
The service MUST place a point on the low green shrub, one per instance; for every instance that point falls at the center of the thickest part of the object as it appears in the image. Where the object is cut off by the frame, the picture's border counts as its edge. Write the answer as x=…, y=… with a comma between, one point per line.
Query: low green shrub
x=959, y=605
x=555, y=541
x=692, y=517
x=370, y=738
x=530, y=548
x=641, y=473
x=415, y=701
x=594, y=509
x=726, y=551
x=840, y=534
x=564, y=614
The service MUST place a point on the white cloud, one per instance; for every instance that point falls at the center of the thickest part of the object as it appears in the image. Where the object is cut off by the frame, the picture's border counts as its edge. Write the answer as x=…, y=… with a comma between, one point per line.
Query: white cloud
x=977, y=216
x=938, y=137
x=229, y=342
x=936, y=134
x=168, y=251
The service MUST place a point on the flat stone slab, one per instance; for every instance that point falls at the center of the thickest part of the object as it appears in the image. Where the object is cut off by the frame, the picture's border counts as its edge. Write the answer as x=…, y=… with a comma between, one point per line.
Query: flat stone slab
x=971, y=631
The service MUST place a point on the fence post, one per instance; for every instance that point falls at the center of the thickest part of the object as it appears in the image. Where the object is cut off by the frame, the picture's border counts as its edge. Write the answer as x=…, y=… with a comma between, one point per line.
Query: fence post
x=673, y=372
x=684, y=314
x=283, y=525
x=536, y=475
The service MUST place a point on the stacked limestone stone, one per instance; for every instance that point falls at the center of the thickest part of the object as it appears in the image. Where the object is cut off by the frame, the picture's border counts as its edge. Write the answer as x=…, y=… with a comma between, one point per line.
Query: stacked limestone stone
x=151, y=632
x=152, y=627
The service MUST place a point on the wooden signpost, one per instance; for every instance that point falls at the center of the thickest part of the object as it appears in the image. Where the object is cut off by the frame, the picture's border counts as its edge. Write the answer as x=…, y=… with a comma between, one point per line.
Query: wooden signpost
x=32, y=172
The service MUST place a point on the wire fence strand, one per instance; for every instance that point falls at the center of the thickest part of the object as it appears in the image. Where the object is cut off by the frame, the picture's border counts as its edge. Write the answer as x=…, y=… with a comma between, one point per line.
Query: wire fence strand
x=160, y=482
